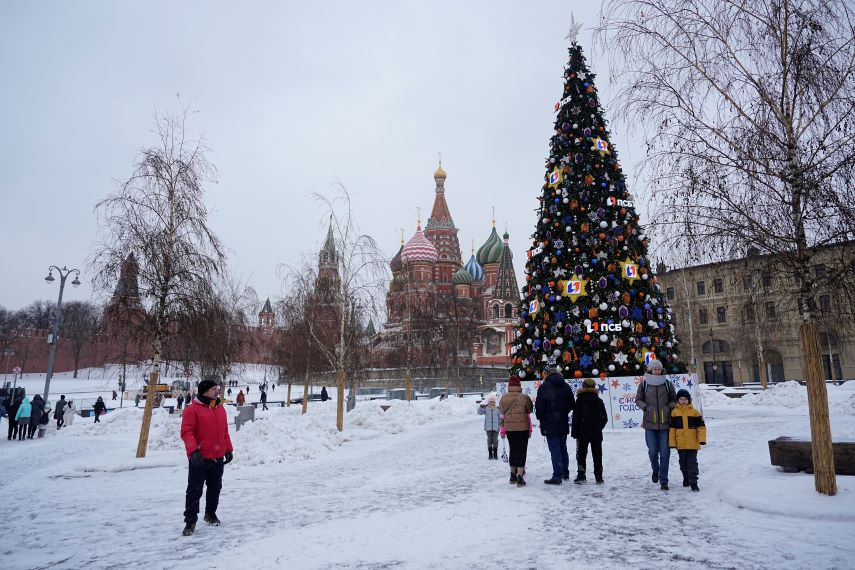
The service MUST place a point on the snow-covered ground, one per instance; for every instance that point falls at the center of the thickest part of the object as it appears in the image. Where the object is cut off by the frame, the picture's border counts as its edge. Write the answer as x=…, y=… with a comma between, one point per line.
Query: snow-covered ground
x=411, y=488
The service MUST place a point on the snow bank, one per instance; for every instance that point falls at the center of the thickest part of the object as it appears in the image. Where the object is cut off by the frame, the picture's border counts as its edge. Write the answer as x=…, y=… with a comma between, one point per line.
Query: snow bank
x=789, y=395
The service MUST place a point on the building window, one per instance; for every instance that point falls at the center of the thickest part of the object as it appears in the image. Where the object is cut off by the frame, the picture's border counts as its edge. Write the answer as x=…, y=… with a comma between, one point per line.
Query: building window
x=771, y=312
x=750, y=315
x=766, y=278
x=718, y=286
x=495, y=311
x=825, y=303
x=509, y=310
x=748, y=282
x=820, y=271
x=702, y=288
x=702, y=316
x=721, y=314
x=670, y=293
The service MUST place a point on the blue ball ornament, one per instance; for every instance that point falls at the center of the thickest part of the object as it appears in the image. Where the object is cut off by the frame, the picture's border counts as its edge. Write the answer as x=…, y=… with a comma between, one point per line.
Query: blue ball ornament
x=647, y=306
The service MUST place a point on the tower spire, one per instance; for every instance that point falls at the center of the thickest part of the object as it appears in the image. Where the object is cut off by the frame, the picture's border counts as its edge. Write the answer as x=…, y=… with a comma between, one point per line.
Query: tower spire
x=419, y=208
x=494, y=215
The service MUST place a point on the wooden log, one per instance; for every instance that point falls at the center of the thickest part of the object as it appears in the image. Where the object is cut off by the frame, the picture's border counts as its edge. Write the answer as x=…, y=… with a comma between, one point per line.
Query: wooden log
x=794, y=455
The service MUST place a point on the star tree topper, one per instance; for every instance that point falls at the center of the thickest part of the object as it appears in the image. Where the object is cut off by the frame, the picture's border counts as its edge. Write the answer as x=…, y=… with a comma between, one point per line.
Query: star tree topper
x=574, y=29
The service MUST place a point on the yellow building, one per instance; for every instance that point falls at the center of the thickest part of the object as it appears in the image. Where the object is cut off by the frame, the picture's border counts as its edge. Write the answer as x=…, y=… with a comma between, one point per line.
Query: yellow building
x=727, y=314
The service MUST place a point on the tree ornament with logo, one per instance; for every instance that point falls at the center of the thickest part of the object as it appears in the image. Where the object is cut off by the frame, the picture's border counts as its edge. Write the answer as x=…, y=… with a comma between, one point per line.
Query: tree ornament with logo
x=591, y=295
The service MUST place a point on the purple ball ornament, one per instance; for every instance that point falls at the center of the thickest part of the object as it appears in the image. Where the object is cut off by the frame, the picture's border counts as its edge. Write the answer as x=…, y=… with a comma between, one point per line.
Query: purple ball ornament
x=601, y=213
x=587, y=132
x=602, y=283
x=623, y=312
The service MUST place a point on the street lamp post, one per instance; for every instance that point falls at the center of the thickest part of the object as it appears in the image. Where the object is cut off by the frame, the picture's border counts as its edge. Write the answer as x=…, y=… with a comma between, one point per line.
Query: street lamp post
x=714, y=365
x=63, y=274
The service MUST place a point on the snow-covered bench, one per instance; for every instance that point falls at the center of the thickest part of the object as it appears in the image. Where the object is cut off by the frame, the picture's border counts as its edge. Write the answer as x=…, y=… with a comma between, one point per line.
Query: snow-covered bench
x=794, y=455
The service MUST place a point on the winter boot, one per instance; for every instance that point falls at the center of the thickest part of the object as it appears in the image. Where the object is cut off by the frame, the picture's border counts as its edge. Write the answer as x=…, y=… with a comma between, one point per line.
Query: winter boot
x=553, y=481
x=211, y=519
x=685, y=482
x=189, y=528
x=520, y=480
x=580, y=478
x=664, y=486
x=599, y=479
x=566, y=475
x=489, y=453
x=655, y=477
x=513, y=480
x=695, y=487
x=496, y=453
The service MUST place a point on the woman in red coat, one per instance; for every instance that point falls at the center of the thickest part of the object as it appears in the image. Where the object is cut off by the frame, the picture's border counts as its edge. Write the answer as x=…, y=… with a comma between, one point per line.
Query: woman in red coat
x=205, y=432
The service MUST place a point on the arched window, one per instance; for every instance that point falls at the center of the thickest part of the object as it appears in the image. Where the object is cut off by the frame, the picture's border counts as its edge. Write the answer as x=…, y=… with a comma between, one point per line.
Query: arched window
x=509, y=311
x=495, y=311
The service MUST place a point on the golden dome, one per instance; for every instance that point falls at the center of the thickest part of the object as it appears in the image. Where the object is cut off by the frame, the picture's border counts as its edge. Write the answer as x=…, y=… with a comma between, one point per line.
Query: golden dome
x=440, y=173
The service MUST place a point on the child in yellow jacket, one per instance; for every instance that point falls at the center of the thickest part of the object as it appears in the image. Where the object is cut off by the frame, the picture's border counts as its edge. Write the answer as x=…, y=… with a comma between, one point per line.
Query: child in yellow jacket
x=687, y=434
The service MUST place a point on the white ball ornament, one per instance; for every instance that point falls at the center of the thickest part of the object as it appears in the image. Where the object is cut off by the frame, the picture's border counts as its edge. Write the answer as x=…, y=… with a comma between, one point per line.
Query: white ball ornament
x=594, y=371
x=521, y=373
x=604, y=224
x=669, y=344
x=603, y=306
x=566, y=200
x=644, y=276
x=604, y=338
x=625, y=323
x=587, y=322
x=556, y=352
x=559, y=340
x=611, y=367
x=528, y=341
x=651, y=324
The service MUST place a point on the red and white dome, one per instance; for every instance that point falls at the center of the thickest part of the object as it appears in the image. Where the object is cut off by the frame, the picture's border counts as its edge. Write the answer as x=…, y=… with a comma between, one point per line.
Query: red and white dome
x=419, y=249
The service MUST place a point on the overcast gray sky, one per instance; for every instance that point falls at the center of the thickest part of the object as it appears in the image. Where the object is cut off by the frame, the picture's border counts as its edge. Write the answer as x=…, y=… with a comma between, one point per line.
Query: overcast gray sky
x=290, y=96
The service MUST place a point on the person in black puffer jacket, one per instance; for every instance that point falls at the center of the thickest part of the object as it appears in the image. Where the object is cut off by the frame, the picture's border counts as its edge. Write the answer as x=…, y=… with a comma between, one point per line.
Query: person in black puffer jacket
x=589, y=419
x=552, y=408
x=38, y=408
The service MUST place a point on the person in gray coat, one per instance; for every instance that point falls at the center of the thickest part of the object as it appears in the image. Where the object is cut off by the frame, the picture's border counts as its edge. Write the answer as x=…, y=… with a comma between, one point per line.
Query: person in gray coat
x=492, y=422
x=656, y=397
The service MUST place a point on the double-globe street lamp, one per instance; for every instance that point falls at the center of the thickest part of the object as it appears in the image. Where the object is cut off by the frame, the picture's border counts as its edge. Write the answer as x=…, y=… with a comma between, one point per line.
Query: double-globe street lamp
x=63, y=275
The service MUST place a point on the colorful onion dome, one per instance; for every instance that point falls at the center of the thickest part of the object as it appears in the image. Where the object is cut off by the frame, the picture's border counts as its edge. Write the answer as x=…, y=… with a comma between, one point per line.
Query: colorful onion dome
x=491, y=251
x=474, y=268
x=396, y=264
x=419, y=249
x=461, y=277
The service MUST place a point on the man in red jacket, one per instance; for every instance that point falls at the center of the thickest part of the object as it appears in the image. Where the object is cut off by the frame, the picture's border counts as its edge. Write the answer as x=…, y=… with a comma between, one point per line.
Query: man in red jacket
x=205, y=432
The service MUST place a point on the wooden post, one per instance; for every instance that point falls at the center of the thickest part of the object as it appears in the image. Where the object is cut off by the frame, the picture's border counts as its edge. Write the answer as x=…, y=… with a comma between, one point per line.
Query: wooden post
x=820, y=427
x=142, y=446
x=288, y=398
x=306, y=392
x=408, y=385
x=339, y=416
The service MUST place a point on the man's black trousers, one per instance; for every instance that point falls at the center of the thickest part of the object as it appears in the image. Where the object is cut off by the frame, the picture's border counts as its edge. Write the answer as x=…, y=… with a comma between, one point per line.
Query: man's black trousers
x=210, y=474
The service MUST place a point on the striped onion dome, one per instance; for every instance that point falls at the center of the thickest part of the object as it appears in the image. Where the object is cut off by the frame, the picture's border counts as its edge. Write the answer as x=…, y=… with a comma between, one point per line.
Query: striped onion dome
x=461, y=277
x=474, y=268
x=419, y=249
x=491, y=251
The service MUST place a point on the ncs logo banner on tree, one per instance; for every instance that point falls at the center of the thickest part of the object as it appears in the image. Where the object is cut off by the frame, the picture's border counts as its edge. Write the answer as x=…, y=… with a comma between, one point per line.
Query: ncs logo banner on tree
x=618, y=394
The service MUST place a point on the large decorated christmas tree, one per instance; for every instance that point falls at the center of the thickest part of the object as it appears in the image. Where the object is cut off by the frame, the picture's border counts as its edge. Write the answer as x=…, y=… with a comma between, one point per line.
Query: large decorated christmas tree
x=591, y=303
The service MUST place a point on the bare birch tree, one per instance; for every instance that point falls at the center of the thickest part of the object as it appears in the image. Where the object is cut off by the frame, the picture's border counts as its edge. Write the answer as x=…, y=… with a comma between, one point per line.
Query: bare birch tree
x=80, y=325
x=159, y=214
x=746, y=108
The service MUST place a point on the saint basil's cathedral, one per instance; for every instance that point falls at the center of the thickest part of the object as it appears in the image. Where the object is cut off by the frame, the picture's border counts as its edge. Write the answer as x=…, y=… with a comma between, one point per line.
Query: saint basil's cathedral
x=437, y=302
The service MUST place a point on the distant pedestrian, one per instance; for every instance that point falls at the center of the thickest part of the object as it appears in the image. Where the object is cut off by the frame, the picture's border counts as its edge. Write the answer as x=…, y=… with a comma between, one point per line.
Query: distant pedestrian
x=324, y=395
x=589, y=419
x=137, y=400
x=687, y=434
x=229, y=392
x=263, y=400
x=69, y=413
x=241, y=399
x=59, y=413
x=12, y=406
x=180, y=400
x=247, y=389
x=23, y=418
x=492, y=423
x=100, y=408
x=36, y=412
x=205, y=432
x=516, y=408
x=552, y=407
x=115, y=395
x=656, y=397
x=273, y=387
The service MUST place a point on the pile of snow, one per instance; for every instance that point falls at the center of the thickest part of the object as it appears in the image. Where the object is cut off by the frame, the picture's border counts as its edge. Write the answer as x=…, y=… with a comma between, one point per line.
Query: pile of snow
x=716, y=398
x=785, y=395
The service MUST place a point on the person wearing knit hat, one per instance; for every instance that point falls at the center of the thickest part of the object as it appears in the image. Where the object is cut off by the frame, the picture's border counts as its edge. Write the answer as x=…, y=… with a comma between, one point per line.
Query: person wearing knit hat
x=688, y=433
x=656, y=398
x=492, y=423
x=589, y=419
x=516, y=426
x=553, y=405
x=205, y=432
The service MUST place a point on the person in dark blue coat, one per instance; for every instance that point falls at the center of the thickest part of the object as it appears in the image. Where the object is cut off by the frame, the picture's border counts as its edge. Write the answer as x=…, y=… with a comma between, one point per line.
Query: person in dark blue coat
x=552, y=408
